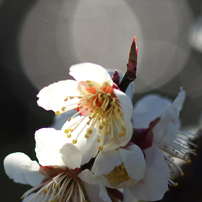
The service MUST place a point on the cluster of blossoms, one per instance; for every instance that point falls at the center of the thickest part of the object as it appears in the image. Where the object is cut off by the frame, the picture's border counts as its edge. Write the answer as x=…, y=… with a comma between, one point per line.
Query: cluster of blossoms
x=106, y=150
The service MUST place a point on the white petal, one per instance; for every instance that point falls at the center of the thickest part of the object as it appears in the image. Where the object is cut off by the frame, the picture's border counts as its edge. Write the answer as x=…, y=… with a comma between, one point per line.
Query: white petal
x=128, y=197
x=91, y=72
x=126, y=105
x=164, y=130
x=179, y=100
x=71, y=156
x=87, y=177
x=52, y=97
x=52, y=149
x=103, y=192
x=22, y=169
x=134, y=161
x=105, y=162
x=48, y=144
x=88, y=147
x=155, y=182
x=149, y=108
x=118, y=141
x=93, y=192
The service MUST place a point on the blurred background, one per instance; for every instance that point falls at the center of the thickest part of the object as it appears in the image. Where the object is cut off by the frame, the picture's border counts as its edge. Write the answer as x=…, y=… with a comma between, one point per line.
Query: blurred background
x=41, y=39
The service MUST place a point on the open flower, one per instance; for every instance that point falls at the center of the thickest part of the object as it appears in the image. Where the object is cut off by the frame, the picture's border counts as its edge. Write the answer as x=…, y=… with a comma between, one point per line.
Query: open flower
x=101, y=105
x=120, y=168
x=163, y=131
x=55, y=178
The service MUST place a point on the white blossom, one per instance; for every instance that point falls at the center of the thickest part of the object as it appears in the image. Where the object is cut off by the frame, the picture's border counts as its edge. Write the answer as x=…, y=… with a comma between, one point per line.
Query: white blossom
x=55, y=177
x=165, y=129
x=106, y=111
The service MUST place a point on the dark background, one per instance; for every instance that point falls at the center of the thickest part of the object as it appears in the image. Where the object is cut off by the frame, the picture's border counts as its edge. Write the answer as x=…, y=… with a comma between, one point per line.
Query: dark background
x=20, y=114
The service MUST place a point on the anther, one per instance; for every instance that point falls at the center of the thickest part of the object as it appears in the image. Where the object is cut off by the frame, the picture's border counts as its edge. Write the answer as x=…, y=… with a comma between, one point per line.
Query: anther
x=123, y=128
x=86, y=136
x=63, y=108
x=89, y=131
x=57, y=113
x=98, y=139
x=66, y=131
x=68, y=135
x=45, y=190
x=107, y=132
x=69, y=119
x=101, y=127
x=100, y=148
x=74, y=141
x=112, y=138
x=121, y=113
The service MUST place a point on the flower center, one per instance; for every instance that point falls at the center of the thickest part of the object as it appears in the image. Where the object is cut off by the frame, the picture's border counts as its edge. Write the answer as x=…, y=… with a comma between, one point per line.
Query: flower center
x=64, y=186
x=118, y=174
x=102, y=108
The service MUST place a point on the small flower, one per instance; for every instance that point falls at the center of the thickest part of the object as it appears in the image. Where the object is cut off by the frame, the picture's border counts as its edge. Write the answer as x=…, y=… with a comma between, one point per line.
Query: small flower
x=163, y=131
x=120, y=168
x=106, y=111
x=57, y=177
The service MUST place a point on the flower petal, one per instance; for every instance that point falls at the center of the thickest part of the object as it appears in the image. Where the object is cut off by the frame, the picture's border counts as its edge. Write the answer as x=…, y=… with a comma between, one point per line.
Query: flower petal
x=90, y=72
x=88, y=147
x=87, y=177
x=71, y=156
x=179, y=100
x=93, y=192
x=134, y=161
x=165, y=129
x=103, y=192
x=52, y=97
x=126, y=105
x=128, y=197
x=118, y=141
x=155, y=182
x=48, y=144
x=22, y=169
x=106, y=162
x=52, y=149
x=149, y=108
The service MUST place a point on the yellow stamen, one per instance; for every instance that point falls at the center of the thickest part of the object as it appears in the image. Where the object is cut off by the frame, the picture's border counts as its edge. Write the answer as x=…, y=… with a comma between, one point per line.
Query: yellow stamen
x=86, y=136
x=100, y=148
x=57, y=113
